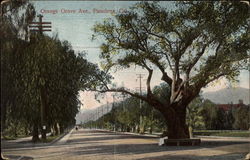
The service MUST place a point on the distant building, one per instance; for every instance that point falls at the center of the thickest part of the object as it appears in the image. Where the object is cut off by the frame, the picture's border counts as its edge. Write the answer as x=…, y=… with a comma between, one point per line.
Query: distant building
x=228, y=107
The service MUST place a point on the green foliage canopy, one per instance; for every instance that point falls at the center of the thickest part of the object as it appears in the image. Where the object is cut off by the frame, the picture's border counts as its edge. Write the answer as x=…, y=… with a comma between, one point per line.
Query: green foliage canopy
x=190, y=48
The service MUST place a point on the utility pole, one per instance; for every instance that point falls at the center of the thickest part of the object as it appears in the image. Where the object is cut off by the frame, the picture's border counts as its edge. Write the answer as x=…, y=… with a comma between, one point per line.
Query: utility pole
x=102, y=118
x=92, y=120
x=40, y=28
x=107, y=104
x=107, y=107
x=113, y=108
x=140, y=76
x=123, y=98
x=124, y=127
x=96, y=118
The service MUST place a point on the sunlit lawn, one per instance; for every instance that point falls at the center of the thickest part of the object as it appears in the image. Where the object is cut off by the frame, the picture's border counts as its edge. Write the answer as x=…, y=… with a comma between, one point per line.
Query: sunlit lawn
x=222, y=133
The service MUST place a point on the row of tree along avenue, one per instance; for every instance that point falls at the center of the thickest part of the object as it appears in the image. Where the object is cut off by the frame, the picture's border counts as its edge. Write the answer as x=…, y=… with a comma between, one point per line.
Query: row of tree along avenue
x=192, y=45
x=202, y=114
x=40, y=77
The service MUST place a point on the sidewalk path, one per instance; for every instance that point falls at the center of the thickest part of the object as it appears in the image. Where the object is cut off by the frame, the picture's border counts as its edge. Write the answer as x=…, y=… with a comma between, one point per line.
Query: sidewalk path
x=21, y=142
x=26, y=144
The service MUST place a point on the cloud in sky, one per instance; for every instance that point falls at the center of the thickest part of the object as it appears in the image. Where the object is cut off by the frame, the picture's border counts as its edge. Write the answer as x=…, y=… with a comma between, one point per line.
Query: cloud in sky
x=73, y=20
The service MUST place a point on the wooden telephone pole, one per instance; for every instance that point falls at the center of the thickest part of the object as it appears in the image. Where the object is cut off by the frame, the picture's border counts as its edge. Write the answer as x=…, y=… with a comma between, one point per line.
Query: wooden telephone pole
x=141, y=130
x=41, y=27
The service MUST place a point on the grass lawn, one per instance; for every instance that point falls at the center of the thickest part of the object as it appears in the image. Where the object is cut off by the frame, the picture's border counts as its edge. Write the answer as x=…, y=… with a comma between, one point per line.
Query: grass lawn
x=233, y=134
x=8, y=137
x=50, y=138
x=222, y=133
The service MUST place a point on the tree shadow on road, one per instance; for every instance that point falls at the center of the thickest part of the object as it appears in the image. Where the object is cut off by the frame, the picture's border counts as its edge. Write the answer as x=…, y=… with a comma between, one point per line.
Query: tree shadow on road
x=126, y=149
x=106, y=143
x=197, y=157
x=105, y=136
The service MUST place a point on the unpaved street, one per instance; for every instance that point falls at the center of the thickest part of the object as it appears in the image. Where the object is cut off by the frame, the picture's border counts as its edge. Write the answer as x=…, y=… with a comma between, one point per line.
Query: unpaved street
x=101, y=145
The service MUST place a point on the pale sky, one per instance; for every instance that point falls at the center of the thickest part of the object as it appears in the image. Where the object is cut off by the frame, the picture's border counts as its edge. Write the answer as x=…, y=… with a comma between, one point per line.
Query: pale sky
x=75, y=27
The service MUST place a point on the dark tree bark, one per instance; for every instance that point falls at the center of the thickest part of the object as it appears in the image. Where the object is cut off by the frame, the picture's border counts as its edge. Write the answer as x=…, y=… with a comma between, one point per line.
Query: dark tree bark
x=61, y=128
x=56, y=129
x=35, y=133
x=176, y=123
x=43, y=111
x=3, y=116
x=151, y=129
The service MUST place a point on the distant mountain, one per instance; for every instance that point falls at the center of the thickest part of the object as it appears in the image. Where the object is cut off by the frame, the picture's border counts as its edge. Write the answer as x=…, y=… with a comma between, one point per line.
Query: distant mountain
x=223, y=96
x=93, y=114
x=228, y=95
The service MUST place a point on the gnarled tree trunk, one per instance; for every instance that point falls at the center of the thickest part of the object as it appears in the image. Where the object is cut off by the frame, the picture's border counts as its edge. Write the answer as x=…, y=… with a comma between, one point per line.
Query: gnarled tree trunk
x=61, y=128
x=176, y=123
x=35, y=133
x=56, y=128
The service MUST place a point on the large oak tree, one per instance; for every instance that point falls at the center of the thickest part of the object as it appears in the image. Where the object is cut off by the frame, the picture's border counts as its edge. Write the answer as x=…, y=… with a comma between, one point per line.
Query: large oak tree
x=192, y=45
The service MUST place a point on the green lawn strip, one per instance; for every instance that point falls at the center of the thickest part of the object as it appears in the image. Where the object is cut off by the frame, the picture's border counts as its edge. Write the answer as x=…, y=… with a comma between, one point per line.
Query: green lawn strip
x=8, y=137
x=223, y=133
x=232, y=134
x=50, y=138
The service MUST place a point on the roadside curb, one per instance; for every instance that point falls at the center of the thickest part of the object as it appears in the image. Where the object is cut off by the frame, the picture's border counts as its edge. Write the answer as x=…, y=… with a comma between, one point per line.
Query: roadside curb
x=64, y=138
x=144, y=135
x=131, y=133
x=222, y=137
x=61, y=137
